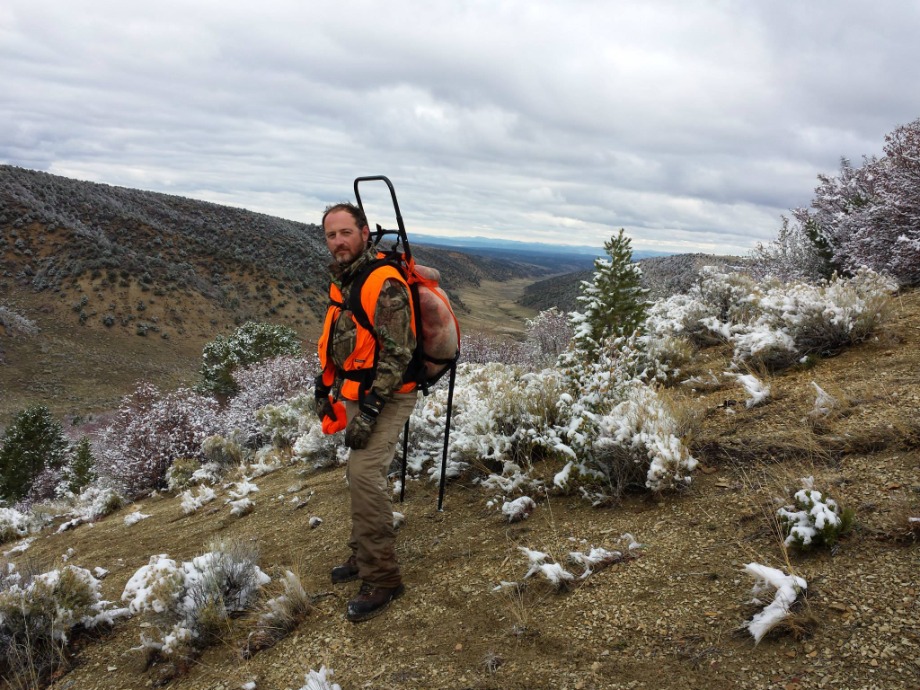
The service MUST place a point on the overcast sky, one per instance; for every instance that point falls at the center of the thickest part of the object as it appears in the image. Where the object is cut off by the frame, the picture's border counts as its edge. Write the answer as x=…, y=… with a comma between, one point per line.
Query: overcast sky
x=693, y=124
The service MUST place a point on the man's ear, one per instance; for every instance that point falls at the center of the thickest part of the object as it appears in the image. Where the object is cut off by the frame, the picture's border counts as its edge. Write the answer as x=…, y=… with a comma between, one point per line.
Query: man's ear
x=365, y=234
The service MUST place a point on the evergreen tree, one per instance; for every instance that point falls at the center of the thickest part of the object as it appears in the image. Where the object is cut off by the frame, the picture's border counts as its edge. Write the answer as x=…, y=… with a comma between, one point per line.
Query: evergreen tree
x=614, y=302
x=32, y=442
x=249, y=344
x=80, y=472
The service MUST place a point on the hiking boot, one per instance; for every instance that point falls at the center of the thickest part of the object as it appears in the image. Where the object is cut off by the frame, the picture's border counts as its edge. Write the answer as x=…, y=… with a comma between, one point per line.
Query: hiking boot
x=371, y=601
x=346, y=572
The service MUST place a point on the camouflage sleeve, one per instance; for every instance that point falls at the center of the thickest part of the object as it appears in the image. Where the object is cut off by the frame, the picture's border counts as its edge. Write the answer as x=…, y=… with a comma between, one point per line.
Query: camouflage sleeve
x=393, y=323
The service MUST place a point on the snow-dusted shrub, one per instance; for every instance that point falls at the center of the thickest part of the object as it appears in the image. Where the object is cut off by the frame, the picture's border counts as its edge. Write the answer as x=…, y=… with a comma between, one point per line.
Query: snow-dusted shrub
x=548, y=334
x=485, y=348
x=283, y=423
x=320, y=680
x=823, y=318
x=221, y=450
x=558, y=577
x=15, y=323
x=814, y=519
x=518, y=509
x=39, y=614
x=758, y=391
x=180, y=473
x=639, y=442
x=267, y=383
x=151, y=430
x=191, y=502
x=94, y=503
x=787, y=588
x=618, y=430
x=189, y=602
x=501, y=415
x=286, y=605
x=319, y=447
x=13, y=524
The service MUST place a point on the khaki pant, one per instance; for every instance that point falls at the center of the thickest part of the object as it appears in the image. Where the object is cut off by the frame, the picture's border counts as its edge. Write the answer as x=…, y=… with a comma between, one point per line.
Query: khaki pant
x=373, y=540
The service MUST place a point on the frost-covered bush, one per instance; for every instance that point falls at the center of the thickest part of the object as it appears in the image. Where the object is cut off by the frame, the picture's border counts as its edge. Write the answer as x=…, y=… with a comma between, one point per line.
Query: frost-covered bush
x=149, y=431
x=284, y=422
x=270, y=382
x=548, y=334
x=618, y=430
x=180, y=473
x=92, y=504
x=39, y=614
x=640, y=443
x=286, y=606
x=250, y=343
x=773, y=324
x=500, y=415
x=222, y=451
x=191, y=502
x=14, y=524
x=786, y=589
x=484, y=348
x=15, y=323
x=189, y=602
x=814, y=519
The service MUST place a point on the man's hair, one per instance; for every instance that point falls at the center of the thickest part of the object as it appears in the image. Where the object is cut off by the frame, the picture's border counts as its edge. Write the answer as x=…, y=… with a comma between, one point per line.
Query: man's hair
x=355, y=212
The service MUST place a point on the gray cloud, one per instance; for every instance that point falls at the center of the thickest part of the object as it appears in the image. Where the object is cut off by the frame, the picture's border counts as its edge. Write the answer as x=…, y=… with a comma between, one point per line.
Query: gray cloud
x=692, y=125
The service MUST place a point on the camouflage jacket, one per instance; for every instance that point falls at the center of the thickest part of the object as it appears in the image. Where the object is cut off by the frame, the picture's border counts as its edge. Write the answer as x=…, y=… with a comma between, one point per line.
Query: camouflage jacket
x=392, y=322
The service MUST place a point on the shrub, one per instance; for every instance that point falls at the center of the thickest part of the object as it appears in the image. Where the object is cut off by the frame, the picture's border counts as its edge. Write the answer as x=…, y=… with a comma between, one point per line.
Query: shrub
x=191, y=602
x=38, y=616
x=32, y=442
x=13, y=524
x=280, y=614
x=149, y=431
x=250, y=343
x=179, y=475
x=814, y=519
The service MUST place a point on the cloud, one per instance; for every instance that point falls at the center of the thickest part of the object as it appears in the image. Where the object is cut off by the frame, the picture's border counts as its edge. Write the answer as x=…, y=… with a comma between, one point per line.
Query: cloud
x=692, y=125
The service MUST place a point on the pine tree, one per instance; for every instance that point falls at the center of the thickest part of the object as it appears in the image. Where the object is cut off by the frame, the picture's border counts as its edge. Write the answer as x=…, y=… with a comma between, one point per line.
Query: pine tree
x=80, y=472
x=614, y=302
x=32, y=442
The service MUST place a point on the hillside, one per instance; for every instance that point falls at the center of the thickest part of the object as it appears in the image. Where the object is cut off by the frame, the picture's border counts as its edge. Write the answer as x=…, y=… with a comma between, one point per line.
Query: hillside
x=661, y=275
x=125, y=285
x=670, y=618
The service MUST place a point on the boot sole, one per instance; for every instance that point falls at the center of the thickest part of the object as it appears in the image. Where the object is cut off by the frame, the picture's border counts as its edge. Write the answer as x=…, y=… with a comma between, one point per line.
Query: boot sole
x=376, y=612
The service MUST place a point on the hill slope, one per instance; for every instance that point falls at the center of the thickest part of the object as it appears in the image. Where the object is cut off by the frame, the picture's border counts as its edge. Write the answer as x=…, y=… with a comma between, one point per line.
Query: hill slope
x=124, y=285
x=669, y=619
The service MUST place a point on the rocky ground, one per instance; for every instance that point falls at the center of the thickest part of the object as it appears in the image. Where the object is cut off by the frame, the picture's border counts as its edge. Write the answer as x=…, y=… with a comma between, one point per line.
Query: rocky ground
x=673, y=617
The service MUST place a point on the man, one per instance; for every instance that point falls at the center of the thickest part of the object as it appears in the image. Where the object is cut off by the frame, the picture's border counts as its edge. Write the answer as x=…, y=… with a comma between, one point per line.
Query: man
x=363, y=365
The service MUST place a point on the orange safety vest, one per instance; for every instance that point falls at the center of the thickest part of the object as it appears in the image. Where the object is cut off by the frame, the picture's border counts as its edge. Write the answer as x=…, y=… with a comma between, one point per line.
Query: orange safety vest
x=361, y=364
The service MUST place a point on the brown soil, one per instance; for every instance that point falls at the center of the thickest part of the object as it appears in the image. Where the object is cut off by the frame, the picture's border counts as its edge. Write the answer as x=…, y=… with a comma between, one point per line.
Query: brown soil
x=672, y=618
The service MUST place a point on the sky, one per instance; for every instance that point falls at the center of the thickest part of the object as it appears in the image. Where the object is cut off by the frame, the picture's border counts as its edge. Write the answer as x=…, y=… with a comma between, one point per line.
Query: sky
x=693, y=124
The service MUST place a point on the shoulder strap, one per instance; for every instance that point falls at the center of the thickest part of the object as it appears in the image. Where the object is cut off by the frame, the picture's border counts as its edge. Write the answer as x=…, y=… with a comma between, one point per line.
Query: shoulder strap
x=354, y=304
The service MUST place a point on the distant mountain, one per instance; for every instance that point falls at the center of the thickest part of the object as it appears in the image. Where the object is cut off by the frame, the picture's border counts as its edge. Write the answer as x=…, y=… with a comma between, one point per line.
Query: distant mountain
x=562, y=258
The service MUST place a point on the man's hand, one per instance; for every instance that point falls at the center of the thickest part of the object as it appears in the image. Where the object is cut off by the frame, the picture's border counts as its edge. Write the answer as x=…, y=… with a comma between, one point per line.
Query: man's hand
x=359, y=430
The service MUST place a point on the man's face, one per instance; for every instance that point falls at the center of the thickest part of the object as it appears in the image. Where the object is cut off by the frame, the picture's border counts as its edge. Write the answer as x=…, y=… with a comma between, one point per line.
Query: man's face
x=344, y=238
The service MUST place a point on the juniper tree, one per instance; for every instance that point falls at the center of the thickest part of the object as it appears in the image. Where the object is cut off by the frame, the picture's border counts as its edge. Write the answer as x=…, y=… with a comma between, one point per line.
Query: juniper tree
x=249, y=344
x=614, y=301
x=32, y=442
x=80, y=471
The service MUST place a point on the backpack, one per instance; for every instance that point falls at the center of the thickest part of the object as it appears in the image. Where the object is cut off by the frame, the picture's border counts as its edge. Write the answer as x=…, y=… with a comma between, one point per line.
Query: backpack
x=437, y=331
